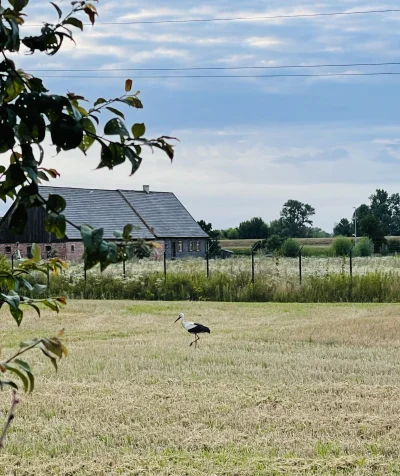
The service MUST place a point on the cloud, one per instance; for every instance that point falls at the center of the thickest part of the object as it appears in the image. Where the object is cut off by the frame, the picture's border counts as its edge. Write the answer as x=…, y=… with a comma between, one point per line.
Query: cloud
x=321, y=156
x=387, y=158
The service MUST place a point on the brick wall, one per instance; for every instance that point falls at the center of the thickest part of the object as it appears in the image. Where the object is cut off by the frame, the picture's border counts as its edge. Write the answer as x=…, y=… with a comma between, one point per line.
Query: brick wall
x=73, y=250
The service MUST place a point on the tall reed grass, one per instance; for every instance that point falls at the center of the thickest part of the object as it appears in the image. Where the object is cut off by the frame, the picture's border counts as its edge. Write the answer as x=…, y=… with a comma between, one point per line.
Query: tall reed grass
x=375, y=286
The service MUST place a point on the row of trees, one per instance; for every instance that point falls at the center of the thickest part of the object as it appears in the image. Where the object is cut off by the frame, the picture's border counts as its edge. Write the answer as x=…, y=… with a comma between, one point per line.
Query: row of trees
x=294, y=222
x=377, y=219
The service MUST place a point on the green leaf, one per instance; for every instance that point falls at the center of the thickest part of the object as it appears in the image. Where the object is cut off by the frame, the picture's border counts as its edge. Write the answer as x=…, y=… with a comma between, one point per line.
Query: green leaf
x=36, y=253
x=115, y=127
x=53, y=346
x=19, y=5
x=88, y=139
x=13, y=41
x=58, y=9
x=8, y=383
x=13, y=87
x=13, y=302
x=7, y=139
x=33, y=306
x=31, y=379
x=39, y=289
x=138, y=130
x=127, y=232
x=20, y=375
x=30, y=343
x=132, y=101
x=66, y=132
x=56, y=223
x=112, y=155
x=47, y=354
x=115, y=111
x=100, y=101
x=134, y=159
x=56, y=203
x=36, y=85
x=74, y=22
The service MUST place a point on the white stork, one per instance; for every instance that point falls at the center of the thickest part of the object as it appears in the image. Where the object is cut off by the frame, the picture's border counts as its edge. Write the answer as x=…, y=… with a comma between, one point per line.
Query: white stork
x=193, y=328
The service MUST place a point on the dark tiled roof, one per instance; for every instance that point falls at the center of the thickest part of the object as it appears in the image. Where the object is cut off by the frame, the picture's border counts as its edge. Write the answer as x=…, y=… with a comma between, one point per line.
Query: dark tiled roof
x=100, y=208
x=165, y=213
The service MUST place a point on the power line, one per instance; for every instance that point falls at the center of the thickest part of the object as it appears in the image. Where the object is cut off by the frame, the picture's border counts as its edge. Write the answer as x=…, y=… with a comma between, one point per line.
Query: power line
x=223, y=68
x=382, y=73
x=255, y=18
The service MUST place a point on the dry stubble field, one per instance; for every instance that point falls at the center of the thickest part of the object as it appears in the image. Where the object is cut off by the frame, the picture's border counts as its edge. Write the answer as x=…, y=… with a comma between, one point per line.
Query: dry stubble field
x=274, y=390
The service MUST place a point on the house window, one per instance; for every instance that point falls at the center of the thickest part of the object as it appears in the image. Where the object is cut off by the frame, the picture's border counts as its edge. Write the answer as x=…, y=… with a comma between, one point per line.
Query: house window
x=29, y=251
x=198, y=246
x=8, y=249
x=72, y=248
x=191, y=246
x=180, y=246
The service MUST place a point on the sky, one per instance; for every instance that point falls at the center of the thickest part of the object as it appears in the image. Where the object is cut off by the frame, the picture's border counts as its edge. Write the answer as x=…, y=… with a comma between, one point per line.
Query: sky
x=246, y=145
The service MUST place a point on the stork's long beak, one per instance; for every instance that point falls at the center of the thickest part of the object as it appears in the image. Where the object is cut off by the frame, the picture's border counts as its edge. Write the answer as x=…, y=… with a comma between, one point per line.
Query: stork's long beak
x=177, y=319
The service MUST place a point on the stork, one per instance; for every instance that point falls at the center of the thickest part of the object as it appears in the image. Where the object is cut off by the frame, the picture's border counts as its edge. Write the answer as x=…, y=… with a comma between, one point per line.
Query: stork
x=193, y=328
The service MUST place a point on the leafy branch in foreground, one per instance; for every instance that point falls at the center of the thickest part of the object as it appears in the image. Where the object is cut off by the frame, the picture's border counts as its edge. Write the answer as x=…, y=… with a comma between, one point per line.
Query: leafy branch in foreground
x=28, y=116
x=27, y=111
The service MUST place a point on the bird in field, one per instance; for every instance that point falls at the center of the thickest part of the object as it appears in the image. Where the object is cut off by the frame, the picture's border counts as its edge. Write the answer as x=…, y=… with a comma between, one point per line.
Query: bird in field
x=193, y=328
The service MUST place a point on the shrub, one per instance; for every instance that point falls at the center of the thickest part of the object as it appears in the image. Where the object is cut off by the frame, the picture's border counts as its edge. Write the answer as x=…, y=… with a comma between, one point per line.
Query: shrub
x=364, y=247
x=384, y=251
x=290, y=248
x=274, y=243
x=341, y=246
x=393, y=245
x=317, y=252
x=5, y=263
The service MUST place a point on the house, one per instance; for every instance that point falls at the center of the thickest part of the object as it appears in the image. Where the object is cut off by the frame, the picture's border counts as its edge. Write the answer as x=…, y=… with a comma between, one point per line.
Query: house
x=156, y=216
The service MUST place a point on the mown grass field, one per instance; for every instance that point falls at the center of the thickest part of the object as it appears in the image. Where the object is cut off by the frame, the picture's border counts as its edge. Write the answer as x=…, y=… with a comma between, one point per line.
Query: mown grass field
x=274, y=390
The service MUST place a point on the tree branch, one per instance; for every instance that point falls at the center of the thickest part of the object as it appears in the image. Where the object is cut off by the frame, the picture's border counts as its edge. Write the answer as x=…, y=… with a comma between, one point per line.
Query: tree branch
x=10, y=418
x=20, y=352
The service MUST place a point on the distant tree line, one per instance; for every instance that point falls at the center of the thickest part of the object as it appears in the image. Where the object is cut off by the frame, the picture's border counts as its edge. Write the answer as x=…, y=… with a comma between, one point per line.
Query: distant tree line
x=376, y=220
x=294, y=222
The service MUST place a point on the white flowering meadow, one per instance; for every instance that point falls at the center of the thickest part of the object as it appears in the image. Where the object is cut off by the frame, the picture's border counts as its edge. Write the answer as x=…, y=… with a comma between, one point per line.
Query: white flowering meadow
x=281, y=268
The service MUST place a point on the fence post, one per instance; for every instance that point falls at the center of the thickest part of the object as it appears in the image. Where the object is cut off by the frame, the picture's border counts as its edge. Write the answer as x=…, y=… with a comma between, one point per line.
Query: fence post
x=351, y=261
x=165, y=260
x=124, y=269
x=254, y=248
x=208, y=257
x=300, y=266
x=84, y=272
x=252, y=266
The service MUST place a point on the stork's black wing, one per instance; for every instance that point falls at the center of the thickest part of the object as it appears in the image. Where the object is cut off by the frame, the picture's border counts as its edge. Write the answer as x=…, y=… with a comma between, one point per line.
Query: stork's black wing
x=199, y=329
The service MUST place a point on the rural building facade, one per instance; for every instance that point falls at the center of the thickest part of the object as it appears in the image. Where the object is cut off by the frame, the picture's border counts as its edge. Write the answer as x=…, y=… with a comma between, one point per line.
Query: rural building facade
x=156, y=216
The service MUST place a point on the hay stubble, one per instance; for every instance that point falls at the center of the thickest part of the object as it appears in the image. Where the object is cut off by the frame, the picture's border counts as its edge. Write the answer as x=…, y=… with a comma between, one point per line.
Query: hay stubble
x=275, y=389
